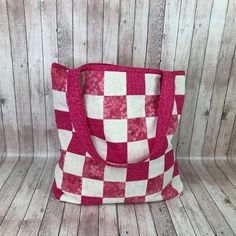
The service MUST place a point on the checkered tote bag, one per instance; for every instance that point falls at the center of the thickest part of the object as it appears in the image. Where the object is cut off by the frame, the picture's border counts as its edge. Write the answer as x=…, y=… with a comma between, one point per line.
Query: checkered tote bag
x=115, y=126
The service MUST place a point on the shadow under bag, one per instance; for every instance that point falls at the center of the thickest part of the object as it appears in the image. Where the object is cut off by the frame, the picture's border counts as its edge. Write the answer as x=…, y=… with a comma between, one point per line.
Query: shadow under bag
x=115, y=126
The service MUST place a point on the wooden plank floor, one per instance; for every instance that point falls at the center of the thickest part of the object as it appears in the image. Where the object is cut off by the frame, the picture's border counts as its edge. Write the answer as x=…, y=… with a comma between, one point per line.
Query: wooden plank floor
x=27, y=206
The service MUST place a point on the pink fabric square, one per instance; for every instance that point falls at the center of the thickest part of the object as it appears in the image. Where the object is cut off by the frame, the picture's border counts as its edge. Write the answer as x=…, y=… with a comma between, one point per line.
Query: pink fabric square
x=176, y=169
x=71, y=183
x=63, y=120
x=169, y=160
x=94, y=82
x=62, y=159
x=172, y=125
x=115, y=107
x=135, y=199
x=96, y=127
x=91, y=200
x=137, y=172
x=137, y=129
x=151, y=105
x=76, y=145
x=114, y=189
x=117, y=152
x=169, y=192
x=179, y=103
x=135, y=83
x=155, y=184
x=93, y=169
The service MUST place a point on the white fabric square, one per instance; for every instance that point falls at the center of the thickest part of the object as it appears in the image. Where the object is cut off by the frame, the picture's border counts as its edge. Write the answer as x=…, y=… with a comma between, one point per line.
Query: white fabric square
x=179, y=84
x=100, y=145
x=58, y=176
x=114, y=83
x=114, y=174
x=74, y=164
x=115, y=130
x=135, y=106
x=152, y=84
x=113, y=200
x=137, y=150
x=65, y=138
x=174, y=110
x=59, y=100
x=153, y=197
x=92, y=187
x=135, y=188
x=156, y=167
x=151, y=123
x=94, y=106
x=168, y=177
x=70, y=197
x=177, y=183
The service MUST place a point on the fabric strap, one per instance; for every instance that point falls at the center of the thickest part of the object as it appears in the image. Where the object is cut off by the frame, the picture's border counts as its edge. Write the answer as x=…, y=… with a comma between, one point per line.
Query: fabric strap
x=78, y=113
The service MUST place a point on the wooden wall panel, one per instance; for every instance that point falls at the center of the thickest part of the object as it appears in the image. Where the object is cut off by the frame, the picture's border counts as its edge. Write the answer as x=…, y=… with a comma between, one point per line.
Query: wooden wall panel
x=196, y=36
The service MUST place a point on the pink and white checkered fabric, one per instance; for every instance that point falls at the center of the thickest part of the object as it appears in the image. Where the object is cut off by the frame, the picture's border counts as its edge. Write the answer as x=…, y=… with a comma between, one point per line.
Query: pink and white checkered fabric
x=121, y=107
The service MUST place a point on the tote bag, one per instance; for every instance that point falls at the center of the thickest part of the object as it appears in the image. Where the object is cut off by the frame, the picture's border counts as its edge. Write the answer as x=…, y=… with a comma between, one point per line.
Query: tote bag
x=115, y=126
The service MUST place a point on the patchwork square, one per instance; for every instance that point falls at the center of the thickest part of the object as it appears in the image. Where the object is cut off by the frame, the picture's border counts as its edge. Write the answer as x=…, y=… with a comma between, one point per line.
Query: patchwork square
x=94, y=106
x=93, y=82
x=100, y=145
x=114, y=83
x=71, y=183
x=92, y=187
x=135, y=188
x=59, y=100
x=96, y=127
x=115, y=130
x=152, y=84
x=137, y=150
x=151, y=123
x=179, y=84
x=63, y=120
x=135, y=106
x=155, y=184
x=139, y=172
x=117, y=152
x=65, y=138
x=91, y=200
x=112, y=189
x=74, y=163
x=179, y=99
x=151, y=105
x=169, y=160
x=135, y=83
x=156, y=167
x=76, y=145
x=168, y=175
x=137, y=129
x=113, y=174
x=115, y=107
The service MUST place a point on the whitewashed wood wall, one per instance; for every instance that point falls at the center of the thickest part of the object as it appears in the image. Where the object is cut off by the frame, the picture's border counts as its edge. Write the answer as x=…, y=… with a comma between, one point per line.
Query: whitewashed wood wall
x=197, y=36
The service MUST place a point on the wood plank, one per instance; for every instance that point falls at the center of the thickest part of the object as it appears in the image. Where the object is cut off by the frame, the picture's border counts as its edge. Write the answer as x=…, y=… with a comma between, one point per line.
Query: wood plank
x=12, y=185
x=95, y=30
x=7, y=93
x=145, y=221
x=80, y=32
x=64, y=32
x=220, y=199
x=16, y=212
x=195, y=65
x=50, y=55
x=36, y=76
x=232, y=149
x=110, y=31
x=70, y=220
x=215, y=218
x=179, y=217
x=108, y=220
x=38, y=204
x=162, y=219
x=140, y=32
x=171, y=22
x=126, y=220
x=21, y=76
x=196, y=216
x=2, y=132
x=88, y=220
x=155, y=33
x=126, y=32
x=52, y=218
x=208, y=75
x=221, y=81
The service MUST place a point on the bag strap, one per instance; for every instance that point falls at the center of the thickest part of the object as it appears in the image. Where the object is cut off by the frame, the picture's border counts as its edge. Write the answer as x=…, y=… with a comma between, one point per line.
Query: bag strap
x=79, y=119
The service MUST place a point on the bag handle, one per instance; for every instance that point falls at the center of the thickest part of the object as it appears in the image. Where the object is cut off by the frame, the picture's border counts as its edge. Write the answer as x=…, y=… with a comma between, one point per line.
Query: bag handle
x=78, y=113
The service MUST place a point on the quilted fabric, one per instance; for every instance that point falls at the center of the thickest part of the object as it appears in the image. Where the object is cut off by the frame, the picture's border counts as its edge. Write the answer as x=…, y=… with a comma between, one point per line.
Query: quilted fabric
x=113, y=149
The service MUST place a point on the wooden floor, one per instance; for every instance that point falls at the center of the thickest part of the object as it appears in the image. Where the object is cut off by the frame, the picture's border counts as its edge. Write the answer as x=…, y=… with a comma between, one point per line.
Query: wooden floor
x=27, y=206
